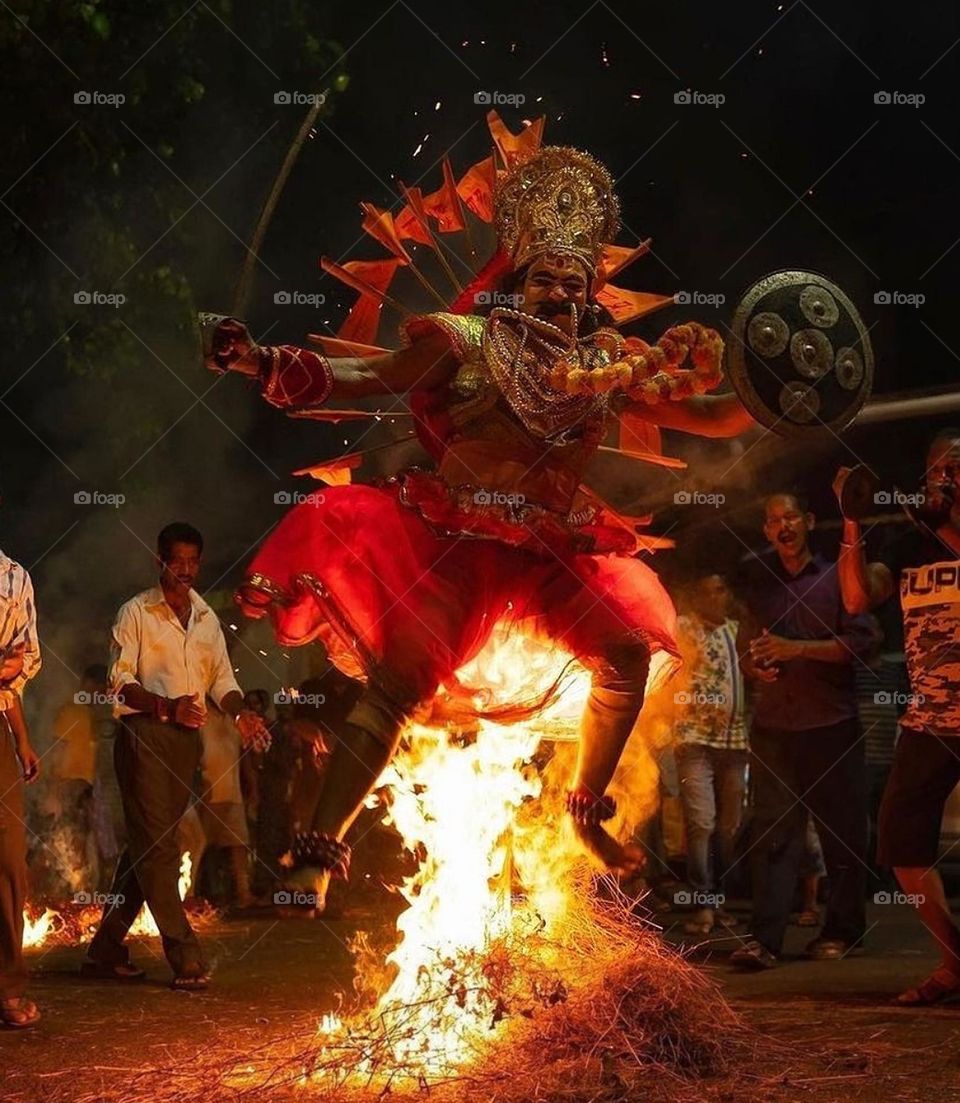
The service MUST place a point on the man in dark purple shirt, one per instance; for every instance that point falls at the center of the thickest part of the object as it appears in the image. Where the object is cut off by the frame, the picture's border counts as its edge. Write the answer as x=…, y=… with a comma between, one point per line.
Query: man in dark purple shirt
x=806, y=742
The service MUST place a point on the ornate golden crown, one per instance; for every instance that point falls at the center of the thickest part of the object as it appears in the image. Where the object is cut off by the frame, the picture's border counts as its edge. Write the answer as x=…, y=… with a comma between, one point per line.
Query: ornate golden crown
x=559, y=201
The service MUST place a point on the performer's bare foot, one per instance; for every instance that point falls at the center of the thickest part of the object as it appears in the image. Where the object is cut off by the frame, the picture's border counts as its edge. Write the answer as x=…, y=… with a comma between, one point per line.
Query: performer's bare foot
x=625, y=860
x=307, y=891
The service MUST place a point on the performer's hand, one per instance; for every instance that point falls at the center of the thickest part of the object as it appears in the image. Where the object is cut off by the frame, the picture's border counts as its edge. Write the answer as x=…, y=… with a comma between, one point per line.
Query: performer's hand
x=10, y=666
x=189, y=711
x=231, y=348
x=30, y=761
x=254, y=733
x=767, y=649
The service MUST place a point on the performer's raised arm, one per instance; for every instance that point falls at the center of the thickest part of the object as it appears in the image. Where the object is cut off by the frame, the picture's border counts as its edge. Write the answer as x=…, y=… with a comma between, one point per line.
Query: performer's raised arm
x=293, y=377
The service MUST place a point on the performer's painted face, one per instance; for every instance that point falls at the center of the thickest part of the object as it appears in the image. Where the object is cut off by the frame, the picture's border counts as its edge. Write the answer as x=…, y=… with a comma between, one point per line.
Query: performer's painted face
x=181, y=565
x=551, y=284
x=943, y=476
x=785, y=524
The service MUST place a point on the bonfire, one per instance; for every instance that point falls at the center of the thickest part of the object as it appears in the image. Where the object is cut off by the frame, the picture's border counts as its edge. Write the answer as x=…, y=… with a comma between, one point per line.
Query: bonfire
x=513, y=978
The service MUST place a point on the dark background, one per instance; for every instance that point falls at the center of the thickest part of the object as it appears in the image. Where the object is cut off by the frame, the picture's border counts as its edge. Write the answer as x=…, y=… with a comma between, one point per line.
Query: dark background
x=798, y=168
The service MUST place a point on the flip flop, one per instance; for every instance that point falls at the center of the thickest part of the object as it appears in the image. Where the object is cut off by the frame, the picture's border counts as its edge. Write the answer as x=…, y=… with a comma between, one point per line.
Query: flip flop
x=19, y=1014
x=940, y=986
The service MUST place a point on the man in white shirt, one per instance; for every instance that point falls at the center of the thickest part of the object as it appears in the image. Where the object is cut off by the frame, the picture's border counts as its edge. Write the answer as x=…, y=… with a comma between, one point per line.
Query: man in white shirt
x=168, y=655
x=19, y=662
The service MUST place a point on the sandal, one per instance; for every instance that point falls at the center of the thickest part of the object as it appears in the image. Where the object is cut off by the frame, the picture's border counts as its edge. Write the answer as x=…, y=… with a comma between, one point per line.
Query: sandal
x=123, y=971
x=19, y=1014
x=940, y=986
x=191, y=982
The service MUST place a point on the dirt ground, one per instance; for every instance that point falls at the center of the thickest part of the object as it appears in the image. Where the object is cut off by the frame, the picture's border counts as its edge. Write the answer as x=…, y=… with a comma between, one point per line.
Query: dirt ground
x=824, y=1031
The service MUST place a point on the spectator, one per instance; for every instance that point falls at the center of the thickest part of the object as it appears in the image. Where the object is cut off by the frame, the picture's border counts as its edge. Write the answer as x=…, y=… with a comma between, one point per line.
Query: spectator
x=19, y=662
x=711, y=748
x=169, y=654
x=806, y=743
x=924, y=565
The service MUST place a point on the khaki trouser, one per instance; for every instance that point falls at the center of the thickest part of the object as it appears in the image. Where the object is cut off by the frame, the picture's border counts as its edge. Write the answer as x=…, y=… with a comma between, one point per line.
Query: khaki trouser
x=13, y=868
x=156, y=764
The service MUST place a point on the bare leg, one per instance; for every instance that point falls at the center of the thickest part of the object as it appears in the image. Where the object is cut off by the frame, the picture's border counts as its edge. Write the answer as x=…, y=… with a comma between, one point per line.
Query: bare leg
x=364, y=749
x=608, y=719
x=357, y=761
x=927, y=886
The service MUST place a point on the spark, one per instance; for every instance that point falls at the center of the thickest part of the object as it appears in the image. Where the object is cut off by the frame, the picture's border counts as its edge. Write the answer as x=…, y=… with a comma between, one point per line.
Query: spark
x=436, y=106
x=604, y=56
x=634, y=95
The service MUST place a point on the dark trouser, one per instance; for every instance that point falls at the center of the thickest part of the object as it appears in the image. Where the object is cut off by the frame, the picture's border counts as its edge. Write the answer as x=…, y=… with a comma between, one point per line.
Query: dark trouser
x=821, y=770
x=155, y=765
x=13, y=869
x=712, y=783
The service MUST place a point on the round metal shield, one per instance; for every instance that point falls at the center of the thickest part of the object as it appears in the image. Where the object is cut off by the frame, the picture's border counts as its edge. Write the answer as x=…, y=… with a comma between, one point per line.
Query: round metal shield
x=799, y=356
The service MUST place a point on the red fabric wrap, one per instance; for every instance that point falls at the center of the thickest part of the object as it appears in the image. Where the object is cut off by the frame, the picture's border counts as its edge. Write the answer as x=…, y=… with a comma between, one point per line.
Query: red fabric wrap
x=396, y=600
x=293, y=376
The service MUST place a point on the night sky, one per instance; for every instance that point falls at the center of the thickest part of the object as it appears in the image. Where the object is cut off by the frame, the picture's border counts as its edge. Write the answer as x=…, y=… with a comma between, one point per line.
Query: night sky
x=798, y=167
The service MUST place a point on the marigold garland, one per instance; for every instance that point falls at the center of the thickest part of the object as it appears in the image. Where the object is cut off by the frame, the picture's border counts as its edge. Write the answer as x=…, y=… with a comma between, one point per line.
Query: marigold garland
x=652, y=373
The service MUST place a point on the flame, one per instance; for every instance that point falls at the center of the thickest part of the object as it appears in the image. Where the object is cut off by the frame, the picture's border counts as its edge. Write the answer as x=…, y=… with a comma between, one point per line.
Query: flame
x=145, y=924
x=455, y=799
x=37, y=931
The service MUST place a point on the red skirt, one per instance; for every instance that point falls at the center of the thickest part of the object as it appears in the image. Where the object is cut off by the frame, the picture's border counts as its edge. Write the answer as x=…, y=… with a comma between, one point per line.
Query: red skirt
x=392, y=596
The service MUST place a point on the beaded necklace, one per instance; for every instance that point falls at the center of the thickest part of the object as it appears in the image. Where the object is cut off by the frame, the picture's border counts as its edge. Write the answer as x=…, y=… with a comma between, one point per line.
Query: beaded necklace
x=522, y=351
